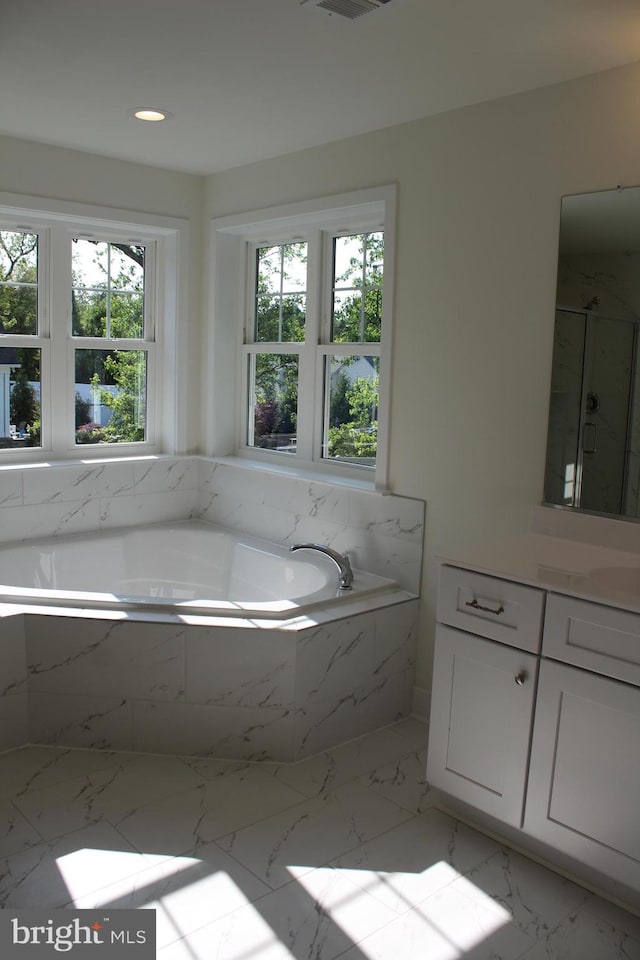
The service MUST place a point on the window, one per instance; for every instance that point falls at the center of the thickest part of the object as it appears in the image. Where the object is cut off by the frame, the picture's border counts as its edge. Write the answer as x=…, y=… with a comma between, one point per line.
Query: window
x=352, y=362
x=19, y=324
x=307, y=354
x=313, y=376
x=108, y=305
x=82, y=309
x=277, y=328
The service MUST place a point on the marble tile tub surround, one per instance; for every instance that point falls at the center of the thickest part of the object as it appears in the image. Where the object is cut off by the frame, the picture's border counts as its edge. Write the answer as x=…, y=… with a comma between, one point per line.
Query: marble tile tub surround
x=14, y=723
x=49, y=500
x=383, y=534
x=293, y=705
x=232, y=692
x=342, y=855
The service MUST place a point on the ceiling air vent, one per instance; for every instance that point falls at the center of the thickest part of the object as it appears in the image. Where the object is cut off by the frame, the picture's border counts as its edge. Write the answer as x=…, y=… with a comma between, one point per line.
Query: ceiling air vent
x=352, y=9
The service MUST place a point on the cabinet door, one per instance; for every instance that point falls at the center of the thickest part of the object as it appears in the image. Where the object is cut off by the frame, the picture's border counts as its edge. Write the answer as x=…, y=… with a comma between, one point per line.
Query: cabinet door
x=481, y=712
x=584, y=779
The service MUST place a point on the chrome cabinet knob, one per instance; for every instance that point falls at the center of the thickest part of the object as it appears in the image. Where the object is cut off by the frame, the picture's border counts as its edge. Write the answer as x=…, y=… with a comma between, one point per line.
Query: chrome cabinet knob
x=520, y=678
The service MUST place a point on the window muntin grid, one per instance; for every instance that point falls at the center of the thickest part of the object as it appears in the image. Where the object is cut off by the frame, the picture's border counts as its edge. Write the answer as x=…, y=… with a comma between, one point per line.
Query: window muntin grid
x=280, y=293
x=43, y=399
x=273, y=401
x=18, y=283
x=356, y=296
x=335, y=349
x=107, y=291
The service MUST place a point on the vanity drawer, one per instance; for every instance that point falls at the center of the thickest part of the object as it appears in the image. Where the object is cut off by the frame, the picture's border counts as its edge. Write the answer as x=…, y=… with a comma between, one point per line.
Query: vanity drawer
x=593, y=636
x=490, y=607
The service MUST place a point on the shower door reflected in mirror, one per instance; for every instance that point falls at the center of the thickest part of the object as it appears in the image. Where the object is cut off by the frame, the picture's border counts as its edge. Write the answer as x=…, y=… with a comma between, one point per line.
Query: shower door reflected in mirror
x=593, y=443
x=590, y=413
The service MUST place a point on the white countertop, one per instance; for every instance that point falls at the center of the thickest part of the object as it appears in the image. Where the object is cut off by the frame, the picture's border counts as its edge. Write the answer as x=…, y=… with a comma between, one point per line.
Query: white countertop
x=583, y=570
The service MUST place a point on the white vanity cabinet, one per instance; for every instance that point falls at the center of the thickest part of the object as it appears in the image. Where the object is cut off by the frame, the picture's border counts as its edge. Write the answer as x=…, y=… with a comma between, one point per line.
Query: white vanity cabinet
x=535, y=717
x=483, y=691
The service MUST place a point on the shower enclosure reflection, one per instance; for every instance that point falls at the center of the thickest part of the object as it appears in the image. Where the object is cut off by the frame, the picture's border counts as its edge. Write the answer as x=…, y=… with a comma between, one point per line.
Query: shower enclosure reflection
x=590, y=413
x=593, y=444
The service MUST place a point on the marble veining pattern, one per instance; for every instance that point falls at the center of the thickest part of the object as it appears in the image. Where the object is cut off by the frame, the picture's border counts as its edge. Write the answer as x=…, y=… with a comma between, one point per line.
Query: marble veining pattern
x=77, y=720
x=13, y=666
x=209, y=730
x=342, y=855
x=77, y=482
x=10, y=488
x=227, y=692
x=240, y=668
x=51, y=500
x=382, y=534
x=109, y=658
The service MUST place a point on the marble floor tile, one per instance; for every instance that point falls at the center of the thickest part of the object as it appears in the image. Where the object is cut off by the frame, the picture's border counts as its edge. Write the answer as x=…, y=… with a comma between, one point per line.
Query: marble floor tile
x=321, y=916
x=413, y=730
x=404, y=782
x=409, y=863
x=325, y=771
x=210, y=769
x=178, y=824
x=31, y=768
x=66, y=806
x=140, y=779
x=52, y=873
x=446, y=926
x=614, y=915
x=586, y=933
x=186, y=892
x=342, y=856
x=535, y=898
x=114, y=791
x=16, y=833
x=312, y=833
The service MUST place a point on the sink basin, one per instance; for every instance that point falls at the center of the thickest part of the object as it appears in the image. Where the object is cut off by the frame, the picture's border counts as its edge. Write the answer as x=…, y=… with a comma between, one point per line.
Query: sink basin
x=620, y=579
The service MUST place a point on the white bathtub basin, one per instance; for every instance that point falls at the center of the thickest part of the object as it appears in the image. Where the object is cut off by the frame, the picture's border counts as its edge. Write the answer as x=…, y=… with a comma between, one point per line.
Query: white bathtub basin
x=183, y=567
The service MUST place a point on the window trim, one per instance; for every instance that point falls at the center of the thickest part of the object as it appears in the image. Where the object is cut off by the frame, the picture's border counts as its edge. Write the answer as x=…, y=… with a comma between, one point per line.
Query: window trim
x=167, y=377
x=229, y=299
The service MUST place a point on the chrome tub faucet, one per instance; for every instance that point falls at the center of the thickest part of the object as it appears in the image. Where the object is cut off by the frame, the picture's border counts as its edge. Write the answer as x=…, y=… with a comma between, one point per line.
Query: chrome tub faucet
x=341, y=560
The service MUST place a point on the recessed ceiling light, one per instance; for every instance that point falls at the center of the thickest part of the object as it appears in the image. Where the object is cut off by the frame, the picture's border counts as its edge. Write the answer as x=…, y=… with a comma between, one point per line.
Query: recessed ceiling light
x=152, y=114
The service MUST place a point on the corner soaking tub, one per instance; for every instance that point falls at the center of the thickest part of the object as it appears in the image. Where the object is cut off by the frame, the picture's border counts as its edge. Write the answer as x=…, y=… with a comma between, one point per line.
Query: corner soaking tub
x=182, y=639
x=188, y=567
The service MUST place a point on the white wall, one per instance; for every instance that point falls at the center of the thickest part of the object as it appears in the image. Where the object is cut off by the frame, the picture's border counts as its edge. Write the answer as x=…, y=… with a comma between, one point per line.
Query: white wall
x=61, y=174
x=55, y=173
x=478, y=214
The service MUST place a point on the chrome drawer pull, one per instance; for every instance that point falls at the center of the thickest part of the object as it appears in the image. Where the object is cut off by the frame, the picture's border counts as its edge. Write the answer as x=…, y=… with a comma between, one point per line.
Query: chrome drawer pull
x=520, y=678
x=478, y=606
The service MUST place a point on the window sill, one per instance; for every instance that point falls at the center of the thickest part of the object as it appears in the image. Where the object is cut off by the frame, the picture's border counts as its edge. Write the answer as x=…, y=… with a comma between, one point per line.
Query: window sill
x=297, y=473
x=88, y=461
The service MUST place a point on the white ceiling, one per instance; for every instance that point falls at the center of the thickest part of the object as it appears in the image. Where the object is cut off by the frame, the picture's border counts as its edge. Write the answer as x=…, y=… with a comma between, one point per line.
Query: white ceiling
x=250, y=79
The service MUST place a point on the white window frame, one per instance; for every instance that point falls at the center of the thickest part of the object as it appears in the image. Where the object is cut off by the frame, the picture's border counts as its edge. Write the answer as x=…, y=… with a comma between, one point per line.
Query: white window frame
x=166, y=266
x=233, y=242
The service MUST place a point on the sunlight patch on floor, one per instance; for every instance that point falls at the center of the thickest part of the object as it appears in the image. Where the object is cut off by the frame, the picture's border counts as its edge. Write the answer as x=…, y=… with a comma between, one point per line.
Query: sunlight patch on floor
x=337, y=907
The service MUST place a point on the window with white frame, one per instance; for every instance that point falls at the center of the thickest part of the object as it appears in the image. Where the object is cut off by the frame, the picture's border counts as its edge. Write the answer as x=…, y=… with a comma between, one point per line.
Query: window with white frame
x=314, y=366
x=112, y=335
x=79, y=325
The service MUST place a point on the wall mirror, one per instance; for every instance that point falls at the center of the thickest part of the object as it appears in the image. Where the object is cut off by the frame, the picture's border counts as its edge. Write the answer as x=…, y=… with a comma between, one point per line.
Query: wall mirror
x=593, y=442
